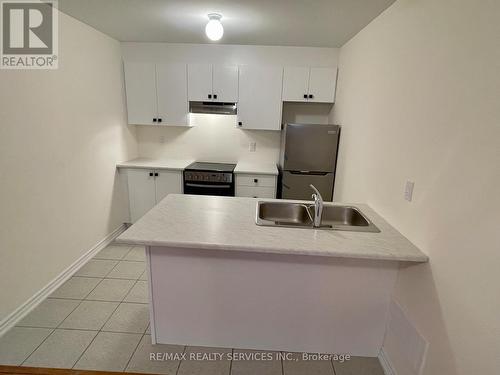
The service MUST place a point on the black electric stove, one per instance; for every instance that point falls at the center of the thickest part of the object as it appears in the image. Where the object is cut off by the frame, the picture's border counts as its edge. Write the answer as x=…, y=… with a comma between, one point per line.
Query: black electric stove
x=209, y=179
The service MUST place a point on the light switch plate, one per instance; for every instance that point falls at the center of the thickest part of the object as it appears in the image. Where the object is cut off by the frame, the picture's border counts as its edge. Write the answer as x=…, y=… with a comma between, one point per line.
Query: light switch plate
x=252, y=146
x=409, y=190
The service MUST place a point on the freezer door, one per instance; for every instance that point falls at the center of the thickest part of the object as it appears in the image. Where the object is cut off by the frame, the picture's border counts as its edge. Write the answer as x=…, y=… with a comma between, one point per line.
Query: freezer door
x=296, y=185
x=310, y=147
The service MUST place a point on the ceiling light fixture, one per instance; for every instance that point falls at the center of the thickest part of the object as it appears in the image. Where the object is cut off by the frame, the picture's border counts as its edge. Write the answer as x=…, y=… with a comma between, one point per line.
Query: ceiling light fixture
x=214, y=28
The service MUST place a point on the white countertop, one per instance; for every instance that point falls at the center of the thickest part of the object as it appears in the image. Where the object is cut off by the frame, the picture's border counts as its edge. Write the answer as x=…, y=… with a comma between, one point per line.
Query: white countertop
x=181, y=164
x=228, y=223
x=172, y=164
x=256, y=168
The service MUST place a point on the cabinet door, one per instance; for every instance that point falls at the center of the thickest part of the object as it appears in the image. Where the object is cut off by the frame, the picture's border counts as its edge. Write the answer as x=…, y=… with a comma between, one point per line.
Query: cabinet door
x=255, y=192
x=259, y=105
x=295, y=83
x=168, y=182
x=200, y=82
x=141, y=192
x=172, y=94
x=140, y=83
x=322, y=82
x=225, y=83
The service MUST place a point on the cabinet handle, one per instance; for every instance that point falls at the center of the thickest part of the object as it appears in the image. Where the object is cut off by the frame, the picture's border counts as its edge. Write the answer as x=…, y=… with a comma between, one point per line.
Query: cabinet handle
x=150, y=174
x=255, y=180
x=215, y=96
x=156, y=174
x=240, y=123
x=311, y=96
x=209, y=96
x=305, y=96
x=154, y=120
x=160, y=120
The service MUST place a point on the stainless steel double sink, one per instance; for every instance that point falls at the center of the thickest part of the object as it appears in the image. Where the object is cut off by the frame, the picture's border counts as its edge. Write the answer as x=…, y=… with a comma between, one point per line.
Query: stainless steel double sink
x=300, y=215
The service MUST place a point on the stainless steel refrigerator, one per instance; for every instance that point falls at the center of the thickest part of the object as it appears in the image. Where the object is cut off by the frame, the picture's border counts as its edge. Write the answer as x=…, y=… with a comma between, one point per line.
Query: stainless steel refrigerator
x=308, y=156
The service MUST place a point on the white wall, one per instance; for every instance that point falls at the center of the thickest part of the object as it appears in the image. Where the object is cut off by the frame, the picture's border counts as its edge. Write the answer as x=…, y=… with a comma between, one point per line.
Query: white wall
x=216, y=138
x=418, y=99
x=61, y=133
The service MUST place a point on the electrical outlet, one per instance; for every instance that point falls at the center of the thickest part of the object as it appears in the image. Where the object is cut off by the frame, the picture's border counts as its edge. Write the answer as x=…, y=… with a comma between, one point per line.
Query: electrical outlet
x=409, y=190
x=252, y=146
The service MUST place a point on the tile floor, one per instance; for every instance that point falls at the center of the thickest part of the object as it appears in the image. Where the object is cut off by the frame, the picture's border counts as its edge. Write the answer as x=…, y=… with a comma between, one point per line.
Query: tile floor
x=99, y=320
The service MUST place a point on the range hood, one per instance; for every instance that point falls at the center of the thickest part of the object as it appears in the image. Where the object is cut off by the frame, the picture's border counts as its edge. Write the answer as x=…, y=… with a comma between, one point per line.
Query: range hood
x=217, y=108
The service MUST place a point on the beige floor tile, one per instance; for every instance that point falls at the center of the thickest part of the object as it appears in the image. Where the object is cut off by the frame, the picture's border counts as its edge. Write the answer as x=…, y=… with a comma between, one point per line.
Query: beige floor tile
x=111, y=290
x=50, y=313
x=90, y=315
x=96, y=268
x=19, y=342
x=205, y=367
x=130, y=318
x=109, y=352
x=138, y=293
x=359, y=366
x=138, y=253
x=61, y=349
x=141, y=361
x=251, y=362
x=148, y=330
x=76, y=288
x=113, y=252
x=297, y=366
x=144, y=276
x=127, y=270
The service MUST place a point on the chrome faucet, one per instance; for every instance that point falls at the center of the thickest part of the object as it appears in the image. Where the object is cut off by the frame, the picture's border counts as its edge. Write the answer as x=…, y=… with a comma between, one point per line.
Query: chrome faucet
x=318, y=207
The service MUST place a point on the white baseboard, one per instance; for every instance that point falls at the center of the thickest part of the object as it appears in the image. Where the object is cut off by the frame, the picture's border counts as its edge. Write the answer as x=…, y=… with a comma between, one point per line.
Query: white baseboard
x=386, y=363
x=43, y=293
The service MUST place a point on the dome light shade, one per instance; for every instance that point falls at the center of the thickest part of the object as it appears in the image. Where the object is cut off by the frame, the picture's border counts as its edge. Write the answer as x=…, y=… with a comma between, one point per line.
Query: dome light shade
x=214, y=28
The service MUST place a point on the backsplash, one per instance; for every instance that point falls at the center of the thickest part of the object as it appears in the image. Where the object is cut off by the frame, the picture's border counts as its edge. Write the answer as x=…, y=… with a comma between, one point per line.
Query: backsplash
x=213, y=138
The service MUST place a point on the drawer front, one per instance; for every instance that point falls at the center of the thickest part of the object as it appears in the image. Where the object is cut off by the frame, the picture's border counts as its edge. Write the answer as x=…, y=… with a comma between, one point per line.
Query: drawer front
x=255, y=192
x=255, y=180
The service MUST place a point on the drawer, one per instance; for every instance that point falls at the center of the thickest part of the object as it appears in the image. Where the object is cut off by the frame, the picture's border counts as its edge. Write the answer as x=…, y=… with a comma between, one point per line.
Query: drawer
x=255, y=180
x=255, y=192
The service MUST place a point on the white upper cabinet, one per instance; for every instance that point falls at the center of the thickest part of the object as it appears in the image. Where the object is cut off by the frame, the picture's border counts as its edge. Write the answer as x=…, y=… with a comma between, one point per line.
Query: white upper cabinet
x=259, y=105
x=308, y=84
x=295, y=83
x=217, y=83
x=199, y=82
x=156, y=94
x=172, y=94
x=322, y=83
x=225, y=83
x=140, y=80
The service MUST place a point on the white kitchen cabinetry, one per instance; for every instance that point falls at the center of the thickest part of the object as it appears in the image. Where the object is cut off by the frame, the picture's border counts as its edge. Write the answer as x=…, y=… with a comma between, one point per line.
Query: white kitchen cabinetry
x=156, y=94
x=309, y=84
x=260, y=105
x=256, y=186
x=147, y=187
x=140, y=81
x=218, y=83
x=171, y=83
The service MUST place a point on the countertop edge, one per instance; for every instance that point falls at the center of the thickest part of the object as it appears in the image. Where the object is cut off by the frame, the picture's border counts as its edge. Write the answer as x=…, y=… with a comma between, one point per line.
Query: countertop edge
x=268, y=173
x=144, y=166
x=274, y=250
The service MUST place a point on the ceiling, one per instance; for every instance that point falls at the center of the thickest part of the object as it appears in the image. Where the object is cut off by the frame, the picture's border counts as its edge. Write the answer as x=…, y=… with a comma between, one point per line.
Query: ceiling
x=318, y=23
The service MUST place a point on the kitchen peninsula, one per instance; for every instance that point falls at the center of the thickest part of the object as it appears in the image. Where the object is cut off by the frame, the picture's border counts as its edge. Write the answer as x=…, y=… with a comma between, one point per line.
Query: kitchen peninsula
x=217, y=279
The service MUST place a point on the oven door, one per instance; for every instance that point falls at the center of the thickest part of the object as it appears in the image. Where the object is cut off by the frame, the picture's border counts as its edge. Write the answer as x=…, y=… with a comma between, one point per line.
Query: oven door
x=206, y=188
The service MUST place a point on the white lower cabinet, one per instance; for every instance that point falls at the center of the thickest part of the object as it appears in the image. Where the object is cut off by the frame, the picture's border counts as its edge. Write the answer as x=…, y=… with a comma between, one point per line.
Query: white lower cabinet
x=256, y=186
x=147, y=187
